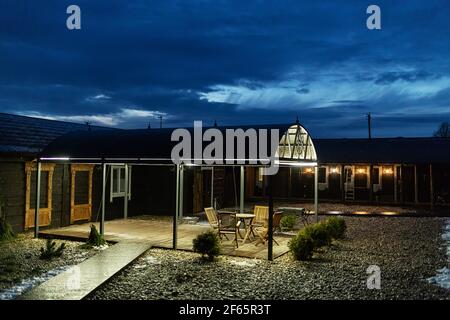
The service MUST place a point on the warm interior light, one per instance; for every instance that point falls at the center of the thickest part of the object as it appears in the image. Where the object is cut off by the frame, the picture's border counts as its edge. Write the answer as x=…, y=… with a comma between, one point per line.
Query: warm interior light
x=334, y=170
x=388, y=171
x=309, y=170
x=335, y=212
x=361, y=212
x=389, y=213
x=361, y=171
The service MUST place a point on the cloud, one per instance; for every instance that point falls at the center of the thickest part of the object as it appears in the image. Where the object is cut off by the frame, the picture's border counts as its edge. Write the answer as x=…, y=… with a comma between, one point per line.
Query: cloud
x=407, y=76
x=302, y=90
x=113, y=119
x=98, y=97
x=230, y=61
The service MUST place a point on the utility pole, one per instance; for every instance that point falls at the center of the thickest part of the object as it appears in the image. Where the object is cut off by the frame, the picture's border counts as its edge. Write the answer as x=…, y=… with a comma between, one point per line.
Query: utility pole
x=369, y=124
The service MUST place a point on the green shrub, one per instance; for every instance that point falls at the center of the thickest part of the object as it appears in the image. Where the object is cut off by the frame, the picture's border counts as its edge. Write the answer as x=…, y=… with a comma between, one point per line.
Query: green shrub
x=337, y=227
x=316, y=235
x=207, y=244
x=95, y=239
x=6, y=232
x=319, y=233
x=301, y=246
x=288, y=222
x=50, y=251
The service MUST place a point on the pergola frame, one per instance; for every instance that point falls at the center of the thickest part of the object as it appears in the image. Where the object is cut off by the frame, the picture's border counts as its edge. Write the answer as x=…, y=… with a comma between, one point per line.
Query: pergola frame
x=301, y=154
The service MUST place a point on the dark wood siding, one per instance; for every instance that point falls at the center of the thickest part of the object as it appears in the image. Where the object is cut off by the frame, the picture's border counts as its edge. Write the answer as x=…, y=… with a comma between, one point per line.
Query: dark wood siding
x=12, y=191
x=152, y=192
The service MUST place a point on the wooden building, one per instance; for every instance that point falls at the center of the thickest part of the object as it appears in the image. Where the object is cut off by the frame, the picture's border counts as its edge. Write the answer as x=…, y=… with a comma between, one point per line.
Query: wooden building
x=396, y=171
x=406, y=171
x=21, y=140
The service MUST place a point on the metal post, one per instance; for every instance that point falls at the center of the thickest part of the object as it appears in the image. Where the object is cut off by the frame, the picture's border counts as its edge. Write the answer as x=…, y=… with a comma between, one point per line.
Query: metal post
x=180, y=213
x=125, y=200
x=316, y=192
x=401, y=188
x=212, y=186
x=431, y=188
x=290, y=183
x=416, y=190
x=38, y=199
x=102, y=221
x=270, y=226
x=371, y=183
x=242, y=191
x=175, y=217
x=342, y=183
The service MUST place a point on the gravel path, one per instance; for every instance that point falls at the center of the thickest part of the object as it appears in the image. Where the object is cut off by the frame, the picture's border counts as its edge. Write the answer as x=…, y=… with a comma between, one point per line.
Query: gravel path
x=408, y=250
x=19, y=259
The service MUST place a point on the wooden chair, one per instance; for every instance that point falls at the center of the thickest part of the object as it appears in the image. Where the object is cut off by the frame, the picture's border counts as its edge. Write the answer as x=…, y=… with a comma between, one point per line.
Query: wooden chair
x=223, y=229
x=261, y=215
x=211, y=215
x=263, y=232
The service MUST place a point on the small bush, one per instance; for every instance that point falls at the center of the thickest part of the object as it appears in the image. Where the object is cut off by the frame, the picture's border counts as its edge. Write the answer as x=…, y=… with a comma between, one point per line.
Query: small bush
x=6, y=233
x=95, y=239
x=319, y=233
x=50, y=251
x=207, y=244
x=337, y=227
x=315, y=236
x=288, y=222
x=301, y=246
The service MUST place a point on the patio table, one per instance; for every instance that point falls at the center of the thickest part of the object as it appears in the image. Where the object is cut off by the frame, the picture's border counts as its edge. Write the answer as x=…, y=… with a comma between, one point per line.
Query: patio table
x=248, y=226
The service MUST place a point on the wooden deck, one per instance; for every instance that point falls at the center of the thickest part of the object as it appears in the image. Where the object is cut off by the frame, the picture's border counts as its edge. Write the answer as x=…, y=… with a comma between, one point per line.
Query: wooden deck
x=159, y=234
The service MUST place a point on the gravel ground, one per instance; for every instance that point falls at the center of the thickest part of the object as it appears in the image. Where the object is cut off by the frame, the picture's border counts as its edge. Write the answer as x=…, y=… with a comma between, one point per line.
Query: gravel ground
x=350, y=208
x=408, y=250
x=19, y=259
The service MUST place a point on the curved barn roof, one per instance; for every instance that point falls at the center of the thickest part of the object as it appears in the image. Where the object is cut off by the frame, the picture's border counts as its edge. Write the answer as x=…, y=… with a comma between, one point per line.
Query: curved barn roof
x=155, y=145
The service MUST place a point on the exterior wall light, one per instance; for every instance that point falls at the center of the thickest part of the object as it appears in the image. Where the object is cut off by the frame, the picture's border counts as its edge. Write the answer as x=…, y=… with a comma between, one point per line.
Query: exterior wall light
x=388, y=171
x=309, y=170
x=334, y=170
x=361, y=171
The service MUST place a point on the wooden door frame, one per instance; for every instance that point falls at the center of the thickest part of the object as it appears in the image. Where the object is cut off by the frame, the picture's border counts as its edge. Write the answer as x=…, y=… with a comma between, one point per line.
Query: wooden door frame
x=45, y=214
x=80, y=212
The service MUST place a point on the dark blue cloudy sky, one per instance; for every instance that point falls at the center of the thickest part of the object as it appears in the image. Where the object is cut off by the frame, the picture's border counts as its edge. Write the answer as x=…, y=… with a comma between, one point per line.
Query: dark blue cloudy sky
x=231, y=61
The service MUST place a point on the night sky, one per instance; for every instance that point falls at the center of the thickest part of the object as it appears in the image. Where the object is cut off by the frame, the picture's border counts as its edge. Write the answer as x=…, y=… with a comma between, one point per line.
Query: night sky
x=237, y=62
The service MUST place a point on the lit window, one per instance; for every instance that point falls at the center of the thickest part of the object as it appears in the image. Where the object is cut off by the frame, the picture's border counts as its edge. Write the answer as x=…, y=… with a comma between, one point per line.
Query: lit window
x=118, y=182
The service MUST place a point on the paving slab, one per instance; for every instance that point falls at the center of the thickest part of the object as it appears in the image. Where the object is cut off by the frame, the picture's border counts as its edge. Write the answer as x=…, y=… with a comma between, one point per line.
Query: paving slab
x=80, y=280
